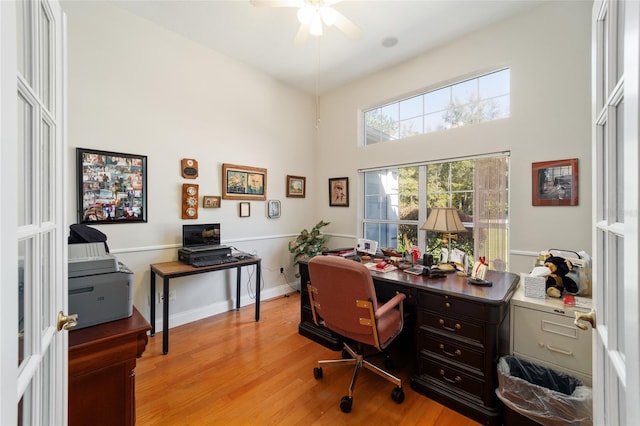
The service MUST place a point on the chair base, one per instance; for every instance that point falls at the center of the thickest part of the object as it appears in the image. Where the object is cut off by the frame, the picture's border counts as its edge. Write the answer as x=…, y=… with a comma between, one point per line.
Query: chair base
x=357, y=359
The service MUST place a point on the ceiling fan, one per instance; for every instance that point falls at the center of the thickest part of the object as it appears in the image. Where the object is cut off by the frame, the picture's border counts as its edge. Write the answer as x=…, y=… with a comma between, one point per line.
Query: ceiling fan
x=312, y=14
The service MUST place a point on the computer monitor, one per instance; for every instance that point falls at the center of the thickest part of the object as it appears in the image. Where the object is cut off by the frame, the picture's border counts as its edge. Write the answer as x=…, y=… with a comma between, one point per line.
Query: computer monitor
x=202, y=235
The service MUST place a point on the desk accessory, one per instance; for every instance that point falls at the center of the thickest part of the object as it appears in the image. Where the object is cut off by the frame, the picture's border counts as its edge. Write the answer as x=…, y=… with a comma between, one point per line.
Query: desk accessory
x=478, y=273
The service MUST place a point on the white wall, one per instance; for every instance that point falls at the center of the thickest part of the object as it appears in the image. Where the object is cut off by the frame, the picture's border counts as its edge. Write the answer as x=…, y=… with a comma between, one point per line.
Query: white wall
x=137, y=88
x=548, y=51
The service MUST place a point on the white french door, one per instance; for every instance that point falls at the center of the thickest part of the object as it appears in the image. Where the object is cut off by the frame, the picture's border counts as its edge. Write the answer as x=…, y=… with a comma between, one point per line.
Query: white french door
x=615, y=212
x=33, y=367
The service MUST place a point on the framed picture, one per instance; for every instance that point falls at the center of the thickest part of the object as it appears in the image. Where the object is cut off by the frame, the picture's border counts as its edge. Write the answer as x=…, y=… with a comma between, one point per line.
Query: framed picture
x=245, y=209
x=555, y=183
x=243, y=183
x=339, y=192
x=112, y=187
x=210, y=202
x=273, y=209
x=296, y=186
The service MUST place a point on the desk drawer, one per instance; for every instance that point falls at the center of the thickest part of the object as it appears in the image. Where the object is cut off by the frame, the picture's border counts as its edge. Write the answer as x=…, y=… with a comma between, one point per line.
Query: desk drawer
x=552, y=338
x=453, y=327
x=471, y=386
x=450, y=305
x=452, y=351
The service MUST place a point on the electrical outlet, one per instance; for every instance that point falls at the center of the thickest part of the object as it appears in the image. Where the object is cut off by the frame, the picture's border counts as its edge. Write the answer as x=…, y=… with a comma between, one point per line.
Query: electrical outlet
x=172, y=295
x=160, y=298
x=281, y=270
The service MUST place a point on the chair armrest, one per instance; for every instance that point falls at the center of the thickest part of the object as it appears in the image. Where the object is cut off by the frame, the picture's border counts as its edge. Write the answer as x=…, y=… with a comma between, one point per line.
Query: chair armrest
x=391, y=304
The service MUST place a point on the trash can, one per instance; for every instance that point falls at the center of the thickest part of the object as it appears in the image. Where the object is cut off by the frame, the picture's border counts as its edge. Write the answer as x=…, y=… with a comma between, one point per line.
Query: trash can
x=542, y=395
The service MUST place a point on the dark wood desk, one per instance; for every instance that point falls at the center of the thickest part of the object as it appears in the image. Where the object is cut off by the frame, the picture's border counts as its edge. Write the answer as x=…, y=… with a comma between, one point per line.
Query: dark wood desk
x=102, y=362
x=459, y=331
x=169, y=270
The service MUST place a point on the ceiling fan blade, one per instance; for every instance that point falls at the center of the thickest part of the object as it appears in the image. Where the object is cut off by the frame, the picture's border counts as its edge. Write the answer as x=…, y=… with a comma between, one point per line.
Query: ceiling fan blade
x=346, y=26
x=302, y=35
x=277, y=3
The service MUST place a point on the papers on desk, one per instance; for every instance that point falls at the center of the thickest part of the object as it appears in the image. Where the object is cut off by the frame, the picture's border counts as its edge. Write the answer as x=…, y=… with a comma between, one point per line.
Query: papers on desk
x=380, y=267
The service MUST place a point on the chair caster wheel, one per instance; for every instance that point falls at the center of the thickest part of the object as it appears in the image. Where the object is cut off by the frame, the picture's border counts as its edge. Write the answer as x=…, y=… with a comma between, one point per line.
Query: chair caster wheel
x=397, y=395
x=317, y=373
x=345, y=404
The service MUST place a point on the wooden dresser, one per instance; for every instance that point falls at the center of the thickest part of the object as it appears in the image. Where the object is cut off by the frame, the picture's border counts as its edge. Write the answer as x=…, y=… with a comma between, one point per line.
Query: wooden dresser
x=460, y=330
x=102, y=362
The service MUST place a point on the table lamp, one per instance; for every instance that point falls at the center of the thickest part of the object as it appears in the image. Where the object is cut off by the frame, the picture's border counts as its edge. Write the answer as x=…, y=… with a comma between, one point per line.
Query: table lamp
x=447, y=221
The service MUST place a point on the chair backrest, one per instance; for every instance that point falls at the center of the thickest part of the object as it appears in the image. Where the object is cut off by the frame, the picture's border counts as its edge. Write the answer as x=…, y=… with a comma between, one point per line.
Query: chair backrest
x=337, y=284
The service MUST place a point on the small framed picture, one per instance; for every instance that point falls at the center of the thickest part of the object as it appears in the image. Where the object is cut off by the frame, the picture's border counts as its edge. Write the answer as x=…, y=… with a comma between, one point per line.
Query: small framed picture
x=273, y=209
x=296, y=186
x=555, y=183
x=209, y=202
x=339, y=192
x=245, y=209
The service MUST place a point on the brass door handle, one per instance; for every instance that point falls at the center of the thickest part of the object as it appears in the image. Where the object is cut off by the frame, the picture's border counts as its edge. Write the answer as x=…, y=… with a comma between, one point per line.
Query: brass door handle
x=590, y=317
x=67, y=321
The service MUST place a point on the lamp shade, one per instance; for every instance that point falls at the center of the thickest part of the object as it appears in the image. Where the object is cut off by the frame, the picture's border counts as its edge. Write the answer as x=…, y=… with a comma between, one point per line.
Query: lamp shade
x=444, y=220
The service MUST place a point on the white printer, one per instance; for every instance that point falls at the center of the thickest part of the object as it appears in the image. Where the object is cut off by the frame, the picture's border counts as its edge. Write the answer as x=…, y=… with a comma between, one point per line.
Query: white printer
x=100, y=287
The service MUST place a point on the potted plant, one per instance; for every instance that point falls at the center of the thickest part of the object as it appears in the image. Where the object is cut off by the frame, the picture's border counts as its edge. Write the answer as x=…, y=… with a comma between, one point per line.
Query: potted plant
x=308, y=243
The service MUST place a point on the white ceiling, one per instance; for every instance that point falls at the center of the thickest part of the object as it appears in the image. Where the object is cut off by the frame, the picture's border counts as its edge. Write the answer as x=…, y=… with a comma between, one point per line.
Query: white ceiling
x=263, y=37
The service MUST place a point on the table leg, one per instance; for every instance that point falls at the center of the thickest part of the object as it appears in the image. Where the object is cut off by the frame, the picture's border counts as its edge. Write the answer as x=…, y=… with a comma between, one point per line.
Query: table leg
x=152, y=299
x=258, y=291
x=165, y=316
x=238, y=274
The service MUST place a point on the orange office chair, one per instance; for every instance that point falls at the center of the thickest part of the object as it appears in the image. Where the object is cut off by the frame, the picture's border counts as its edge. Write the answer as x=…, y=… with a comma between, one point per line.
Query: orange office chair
x=343, y=299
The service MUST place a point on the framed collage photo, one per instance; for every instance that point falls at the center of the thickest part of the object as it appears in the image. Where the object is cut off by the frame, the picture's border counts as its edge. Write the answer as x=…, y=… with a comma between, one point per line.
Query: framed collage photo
x=339, y=192
x=555, y=183
x=112, y=187
x=243, y=183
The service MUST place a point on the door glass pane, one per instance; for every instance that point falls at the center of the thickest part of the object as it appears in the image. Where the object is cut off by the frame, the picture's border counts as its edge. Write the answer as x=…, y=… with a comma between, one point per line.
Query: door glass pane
x=620, y=40
x=619, y=172
x=45, y=58
x=47, y=180
x=23, y=33
x=45, y=282
x=602, y=277
x=618, y=284
x=24, y=296
x=601, y=158
x=25, y=160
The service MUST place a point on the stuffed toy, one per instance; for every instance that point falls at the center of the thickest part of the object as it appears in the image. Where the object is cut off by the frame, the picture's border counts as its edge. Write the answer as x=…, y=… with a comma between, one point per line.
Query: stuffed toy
x=558, y=282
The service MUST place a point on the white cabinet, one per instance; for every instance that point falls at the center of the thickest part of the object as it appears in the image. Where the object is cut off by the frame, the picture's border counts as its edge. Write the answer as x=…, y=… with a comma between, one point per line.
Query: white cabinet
x=543, y=332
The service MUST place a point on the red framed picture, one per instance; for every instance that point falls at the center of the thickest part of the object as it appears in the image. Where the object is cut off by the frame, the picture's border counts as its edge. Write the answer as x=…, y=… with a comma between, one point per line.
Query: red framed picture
x=555, y=183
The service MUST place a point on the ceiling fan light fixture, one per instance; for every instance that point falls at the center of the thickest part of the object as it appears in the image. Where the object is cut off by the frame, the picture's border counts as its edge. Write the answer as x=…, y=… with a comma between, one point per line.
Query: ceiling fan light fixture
x=305, y=14
x=315, y=28
x=328, y=15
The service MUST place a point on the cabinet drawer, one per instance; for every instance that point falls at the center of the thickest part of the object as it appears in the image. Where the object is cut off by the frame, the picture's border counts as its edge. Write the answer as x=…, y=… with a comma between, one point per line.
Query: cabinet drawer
x=453, y=327
x=552, y=338
x=471, y=386
x=450, y=305
x=452, y=351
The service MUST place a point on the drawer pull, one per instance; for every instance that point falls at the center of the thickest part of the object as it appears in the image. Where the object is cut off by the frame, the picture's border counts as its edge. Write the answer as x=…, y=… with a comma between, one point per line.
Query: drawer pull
x=447, y=305
x=456, y=327
x=457, y=379
x=457, y=352
x=560, y=351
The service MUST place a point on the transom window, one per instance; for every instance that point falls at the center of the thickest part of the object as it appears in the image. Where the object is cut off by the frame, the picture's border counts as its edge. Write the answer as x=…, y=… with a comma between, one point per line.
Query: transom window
x=472, y=101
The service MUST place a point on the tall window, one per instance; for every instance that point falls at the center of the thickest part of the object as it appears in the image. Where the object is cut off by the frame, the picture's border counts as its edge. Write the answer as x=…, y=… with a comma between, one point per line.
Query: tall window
x=472, y=101
x=398, y=200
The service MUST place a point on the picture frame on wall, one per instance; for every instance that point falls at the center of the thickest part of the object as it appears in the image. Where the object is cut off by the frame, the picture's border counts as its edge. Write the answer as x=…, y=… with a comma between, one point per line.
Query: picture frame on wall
x=296, y=186
x=243, y=182
x=273, y=209
x=111, y=187
x=339, y=192
x=211, y=202
x=244, y=209
x=555, y=183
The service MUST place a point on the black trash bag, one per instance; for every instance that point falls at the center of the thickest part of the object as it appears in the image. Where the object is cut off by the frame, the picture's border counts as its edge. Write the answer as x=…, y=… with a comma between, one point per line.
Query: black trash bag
x=542, y=394
x=80, y=233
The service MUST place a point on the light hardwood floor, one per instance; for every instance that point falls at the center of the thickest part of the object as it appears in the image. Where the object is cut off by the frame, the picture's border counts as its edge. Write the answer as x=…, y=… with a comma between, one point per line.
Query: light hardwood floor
x=230, y=370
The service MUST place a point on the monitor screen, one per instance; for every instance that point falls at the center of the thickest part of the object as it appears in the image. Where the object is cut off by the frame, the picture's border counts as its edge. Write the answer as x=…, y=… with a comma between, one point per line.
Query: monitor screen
x=207, y=234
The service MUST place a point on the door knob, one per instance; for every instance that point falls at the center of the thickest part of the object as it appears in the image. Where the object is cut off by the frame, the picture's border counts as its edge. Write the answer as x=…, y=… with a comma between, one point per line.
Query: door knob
x=67, y=321
x=590, y=317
